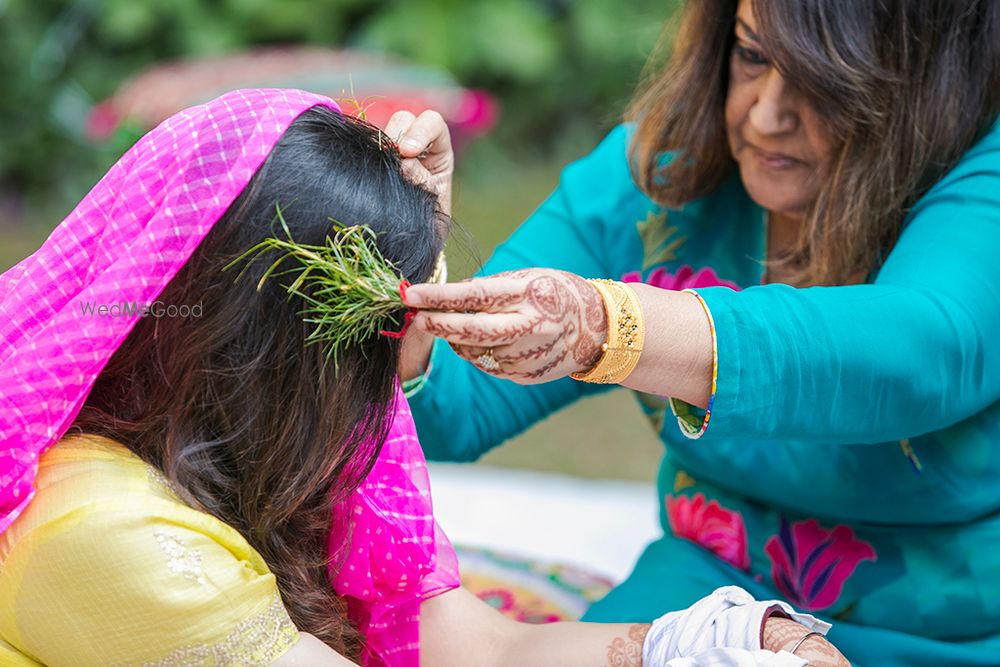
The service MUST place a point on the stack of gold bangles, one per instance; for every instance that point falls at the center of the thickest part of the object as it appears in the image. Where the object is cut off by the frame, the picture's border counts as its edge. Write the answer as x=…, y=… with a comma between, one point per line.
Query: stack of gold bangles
x=626, y=333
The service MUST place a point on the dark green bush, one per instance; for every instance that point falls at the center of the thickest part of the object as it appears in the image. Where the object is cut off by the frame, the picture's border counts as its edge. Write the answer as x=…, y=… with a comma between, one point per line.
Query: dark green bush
x=555, y=65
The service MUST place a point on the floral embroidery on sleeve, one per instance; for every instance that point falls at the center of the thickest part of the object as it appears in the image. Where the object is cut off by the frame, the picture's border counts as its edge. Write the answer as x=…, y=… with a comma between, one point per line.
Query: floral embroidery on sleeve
x=810, y=564
x=684, y=278
x=659, y=239
x=710, y=525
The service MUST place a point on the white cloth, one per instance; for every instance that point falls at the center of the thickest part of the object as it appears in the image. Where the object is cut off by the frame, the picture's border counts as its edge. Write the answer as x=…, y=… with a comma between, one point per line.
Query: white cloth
x=737, y=657
x=721, y=630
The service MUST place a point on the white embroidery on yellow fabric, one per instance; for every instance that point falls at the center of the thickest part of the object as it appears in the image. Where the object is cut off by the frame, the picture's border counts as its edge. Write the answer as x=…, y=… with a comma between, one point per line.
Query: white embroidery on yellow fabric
x=256, y=641
x=157, y=478
x=182, y=560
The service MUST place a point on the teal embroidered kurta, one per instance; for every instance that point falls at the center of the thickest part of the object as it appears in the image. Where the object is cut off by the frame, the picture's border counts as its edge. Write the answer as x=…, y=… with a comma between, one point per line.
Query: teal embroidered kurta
x=851, y=463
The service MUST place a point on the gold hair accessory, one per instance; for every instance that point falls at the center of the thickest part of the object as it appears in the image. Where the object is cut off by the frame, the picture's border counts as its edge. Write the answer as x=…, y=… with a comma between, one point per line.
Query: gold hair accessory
x=440, y=275
x=626, y=334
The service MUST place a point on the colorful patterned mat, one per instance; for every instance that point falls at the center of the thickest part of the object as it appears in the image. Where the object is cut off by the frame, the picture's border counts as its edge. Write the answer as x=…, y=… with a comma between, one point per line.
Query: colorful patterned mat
x=529, y=591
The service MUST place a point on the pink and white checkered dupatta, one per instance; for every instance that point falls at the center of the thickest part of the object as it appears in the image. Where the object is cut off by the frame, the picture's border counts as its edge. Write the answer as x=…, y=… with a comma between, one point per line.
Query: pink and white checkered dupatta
x=122, y=244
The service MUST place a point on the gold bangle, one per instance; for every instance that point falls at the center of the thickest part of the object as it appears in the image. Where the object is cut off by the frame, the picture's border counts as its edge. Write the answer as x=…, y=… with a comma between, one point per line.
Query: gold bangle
x=626, y=334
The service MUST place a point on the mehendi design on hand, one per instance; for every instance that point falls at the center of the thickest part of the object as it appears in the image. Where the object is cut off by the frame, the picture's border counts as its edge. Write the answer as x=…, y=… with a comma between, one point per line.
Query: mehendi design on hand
x=550, y=298
x=593, y=327
x=539, y=352
x=627, y=652
x=540, y=323
x=468, y=352
x=479, y=337
x=483, y=302
x=539, y=373
x=782, y=633
x=593, y=306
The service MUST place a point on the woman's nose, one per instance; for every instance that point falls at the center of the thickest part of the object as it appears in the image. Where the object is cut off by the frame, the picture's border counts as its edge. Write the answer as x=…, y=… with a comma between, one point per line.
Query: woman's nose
x=774, y=111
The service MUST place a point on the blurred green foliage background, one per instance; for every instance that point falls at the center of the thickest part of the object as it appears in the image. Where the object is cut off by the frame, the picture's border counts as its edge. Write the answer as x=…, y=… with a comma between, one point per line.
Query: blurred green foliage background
x=562, y=71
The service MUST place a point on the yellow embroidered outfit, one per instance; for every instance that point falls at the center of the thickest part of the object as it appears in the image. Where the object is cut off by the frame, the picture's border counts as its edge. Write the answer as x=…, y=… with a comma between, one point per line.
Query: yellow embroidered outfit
x=108, y=567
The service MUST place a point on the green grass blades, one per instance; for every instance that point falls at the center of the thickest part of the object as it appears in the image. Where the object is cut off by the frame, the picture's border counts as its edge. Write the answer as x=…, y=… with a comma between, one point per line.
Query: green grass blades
x=350, y=290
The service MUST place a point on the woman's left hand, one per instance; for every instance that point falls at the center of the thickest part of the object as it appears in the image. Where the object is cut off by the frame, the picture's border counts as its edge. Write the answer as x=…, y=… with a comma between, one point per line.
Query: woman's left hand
x=424, y=142
x=530, y=326
x=784, y=634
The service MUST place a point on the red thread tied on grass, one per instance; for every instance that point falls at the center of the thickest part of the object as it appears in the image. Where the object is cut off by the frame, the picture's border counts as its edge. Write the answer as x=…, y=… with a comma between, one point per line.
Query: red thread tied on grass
x=410, y=313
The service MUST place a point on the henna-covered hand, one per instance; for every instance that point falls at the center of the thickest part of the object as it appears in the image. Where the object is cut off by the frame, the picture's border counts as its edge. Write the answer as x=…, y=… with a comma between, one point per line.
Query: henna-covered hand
x=782, y=633
x=627, y=651
x=541, y=324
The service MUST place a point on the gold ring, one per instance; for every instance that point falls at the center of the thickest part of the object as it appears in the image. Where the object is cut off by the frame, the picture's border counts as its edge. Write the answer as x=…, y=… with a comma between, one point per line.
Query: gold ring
x=487, y=361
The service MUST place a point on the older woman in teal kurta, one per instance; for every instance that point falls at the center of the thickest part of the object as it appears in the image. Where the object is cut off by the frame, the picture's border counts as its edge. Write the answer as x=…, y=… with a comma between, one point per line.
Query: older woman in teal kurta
x=848, y=458
x=858, y=477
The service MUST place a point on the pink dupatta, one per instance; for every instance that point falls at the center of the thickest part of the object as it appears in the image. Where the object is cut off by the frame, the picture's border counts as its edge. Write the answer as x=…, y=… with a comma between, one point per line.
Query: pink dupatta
x=123, y=244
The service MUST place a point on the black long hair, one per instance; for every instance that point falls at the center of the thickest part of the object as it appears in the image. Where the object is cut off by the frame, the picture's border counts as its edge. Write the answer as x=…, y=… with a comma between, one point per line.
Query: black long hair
x=232, y=406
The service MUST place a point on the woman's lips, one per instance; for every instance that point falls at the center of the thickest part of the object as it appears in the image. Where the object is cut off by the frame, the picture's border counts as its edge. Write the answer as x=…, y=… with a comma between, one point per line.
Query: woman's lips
x=775, y=161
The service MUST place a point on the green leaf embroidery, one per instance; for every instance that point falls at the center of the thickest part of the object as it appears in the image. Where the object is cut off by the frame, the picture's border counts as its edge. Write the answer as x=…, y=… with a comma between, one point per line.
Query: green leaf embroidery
x=658, y=242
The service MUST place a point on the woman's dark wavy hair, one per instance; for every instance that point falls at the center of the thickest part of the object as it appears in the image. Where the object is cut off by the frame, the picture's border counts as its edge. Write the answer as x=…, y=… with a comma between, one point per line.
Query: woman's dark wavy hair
x=233, y=407
x=904, y=86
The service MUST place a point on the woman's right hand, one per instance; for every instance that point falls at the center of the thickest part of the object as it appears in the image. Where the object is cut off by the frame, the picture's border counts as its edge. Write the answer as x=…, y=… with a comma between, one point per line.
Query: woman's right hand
x=535, y=325
x=425, y=144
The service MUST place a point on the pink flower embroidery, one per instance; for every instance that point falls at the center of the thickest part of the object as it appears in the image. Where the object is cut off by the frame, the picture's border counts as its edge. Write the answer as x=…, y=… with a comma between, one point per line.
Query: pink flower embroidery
x=685, y=278
x=711, y=526
x=809, y=564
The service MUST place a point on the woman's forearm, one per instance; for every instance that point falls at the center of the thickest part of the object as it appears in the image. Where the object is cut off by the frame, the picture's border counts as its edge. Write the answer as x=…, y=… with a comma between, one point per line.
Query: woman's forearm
x=677, y=353
x=457, y=629
x=538, y=325
x=573, y=644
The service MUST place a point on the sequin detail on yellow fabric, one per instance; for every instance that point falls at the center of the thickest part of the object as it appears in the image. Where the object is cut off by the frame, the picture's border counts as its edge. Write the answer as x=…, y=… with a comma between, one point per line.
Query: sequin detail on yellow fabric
x=181, y=559
x=157, y=478
x=255, y=642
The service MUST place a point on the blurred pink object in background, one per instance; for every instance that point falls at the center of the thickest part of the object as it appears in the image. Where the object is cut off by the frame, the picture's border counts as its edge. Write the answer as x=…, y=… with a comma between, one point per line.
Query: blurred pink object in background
x=373, y=84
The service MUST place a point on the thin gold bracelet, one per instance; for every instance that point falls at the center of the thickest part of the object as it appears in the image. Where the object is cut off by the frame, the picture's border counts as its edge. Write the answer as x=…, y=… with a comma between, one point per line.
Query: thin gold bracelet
x=626, y=334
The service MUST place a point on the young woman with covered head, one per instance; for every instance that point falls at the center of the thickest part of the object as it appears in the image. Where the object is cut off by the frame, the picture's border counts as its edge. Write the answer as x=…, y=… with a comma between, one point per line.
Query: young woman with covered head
x=186, y=480
x=805, y=204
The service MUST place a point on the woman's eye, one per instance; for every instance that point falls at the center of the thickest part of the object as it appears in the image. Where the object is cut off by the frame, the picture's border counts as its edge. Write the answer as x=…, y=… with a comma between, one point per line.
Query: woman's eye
x=750, y=56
